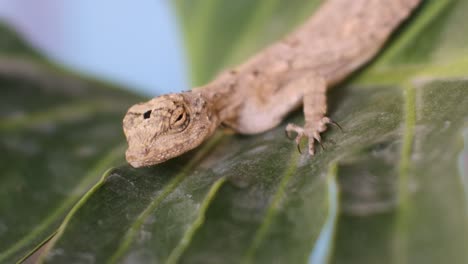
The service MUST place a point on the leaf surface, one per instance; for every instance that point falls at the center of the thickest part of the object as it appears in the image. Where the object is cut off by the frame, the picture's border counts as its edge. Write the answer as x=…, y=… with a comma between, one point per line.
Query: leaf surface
x=59, y=133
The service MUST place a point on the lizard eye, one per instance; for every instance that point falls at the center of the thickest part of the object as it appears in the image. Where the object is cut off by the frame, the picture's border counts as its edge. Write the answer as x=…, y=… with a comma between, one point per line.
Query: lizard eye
x=147, y=114
x=179, y=119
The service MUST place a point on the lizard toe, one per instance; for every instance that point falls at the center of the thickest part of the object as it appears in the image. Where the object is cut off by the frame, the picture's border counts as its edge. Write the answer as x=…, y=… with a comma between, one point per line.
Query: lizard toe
x=316, y=137
x=327, y=120
x=292, y=128
x=312, y=131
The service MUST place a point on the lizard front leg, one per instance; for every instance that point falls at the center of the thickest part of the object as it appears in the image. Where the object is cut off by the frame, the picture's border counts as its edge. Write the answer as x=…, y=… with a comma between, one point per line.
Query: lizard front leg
x=314, y=88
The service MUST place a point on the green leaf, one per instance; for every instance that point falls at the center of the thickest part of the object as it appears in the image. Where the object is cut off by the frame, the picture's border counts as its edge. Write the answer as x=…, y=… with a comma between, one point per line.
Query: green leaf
x=58, y=134
x=181, y=207
x=389, y=188
x=12, y=45
x=220, y=33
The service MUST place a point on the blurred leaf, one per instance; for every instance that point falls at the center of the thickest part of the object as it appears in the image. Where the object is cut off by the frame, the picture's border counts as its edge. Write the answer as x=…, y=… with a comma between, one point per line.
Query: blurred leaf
x=387, y=189
x=58, y=134
x=13, y=46
x=220, y=33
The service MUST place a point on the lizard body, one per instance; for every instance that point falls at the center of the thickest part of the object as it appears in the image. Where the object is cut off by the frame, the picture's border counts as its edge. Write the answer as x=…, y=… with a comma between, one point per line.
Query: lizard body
x=257, y=95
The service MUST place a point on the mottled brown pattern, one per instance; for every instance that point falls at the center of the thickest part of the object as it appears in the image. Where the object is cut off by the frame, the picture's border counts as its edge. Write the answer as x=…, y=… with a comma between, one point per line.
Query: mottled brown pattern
x=255, y=96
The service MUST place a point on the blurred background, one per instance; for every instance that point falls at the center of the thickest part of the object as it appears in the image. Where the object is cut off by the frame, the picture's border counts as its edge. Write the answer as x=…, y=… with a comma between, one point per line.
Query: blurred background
x=131, y=43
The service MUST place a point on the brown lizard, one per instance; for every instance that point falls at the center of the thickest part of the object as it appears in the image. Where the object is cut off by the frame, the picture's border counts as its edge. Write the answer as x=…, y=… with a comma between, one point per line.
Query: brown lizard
x=256, y=96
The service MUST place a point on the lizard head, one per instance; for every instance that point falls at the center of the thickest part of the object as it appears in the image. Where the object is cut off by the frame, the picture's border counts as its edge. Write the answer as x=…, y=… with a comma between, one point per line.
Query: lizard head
x=167, y=126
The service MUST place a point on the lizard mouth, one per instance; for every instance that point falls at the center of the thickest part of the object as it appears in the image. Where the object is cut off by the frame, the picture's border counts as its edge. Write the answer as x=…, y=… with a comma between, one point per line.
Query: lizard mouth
x=134, y=161
x=139, y=158
x=144, y=157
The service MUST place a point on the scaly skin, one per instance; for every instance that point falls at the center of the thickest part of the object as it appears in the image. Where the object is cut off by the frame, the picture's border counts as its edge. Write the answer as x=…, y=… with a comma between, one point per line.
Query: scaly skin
x=256, y=96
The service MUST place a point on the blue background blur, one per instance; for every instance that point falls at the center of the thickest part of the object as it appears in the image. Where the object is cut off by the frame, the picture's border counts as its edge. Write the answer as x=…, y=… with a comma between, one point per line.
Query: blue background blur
x=135, y=43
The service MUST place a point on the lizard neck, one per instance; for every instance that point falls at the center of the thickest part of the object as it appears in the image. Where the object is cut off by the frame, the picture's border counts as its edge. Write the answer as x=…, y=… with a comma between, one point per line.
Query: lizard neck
x=224, y=97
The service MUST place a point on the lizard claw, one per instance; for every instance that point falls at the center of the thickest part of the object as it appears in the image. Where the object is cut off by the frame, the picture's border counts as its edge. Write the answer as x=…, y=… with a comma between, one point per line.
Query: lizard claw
x=335, y=124
x=311, y=131
x=300, y=134
x=320, y=142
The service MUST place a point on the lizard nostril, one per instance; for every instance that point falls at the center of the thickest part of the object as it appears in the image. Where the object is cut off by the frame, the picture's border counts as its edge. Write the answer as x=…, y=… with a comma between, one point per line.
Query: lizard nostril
x=147, y=114
x=145, y=151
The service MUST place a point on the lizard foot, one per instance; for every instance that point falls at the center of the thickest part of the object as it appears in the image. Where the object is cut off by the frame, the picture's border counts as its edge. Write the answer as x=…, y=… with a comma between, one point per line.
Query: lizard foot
x=311, y=131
